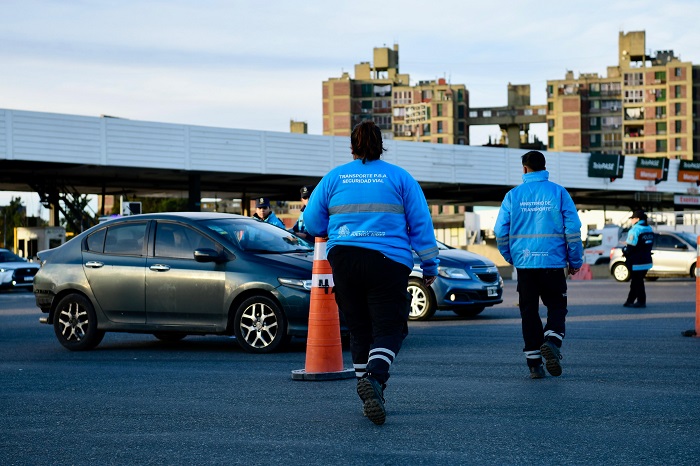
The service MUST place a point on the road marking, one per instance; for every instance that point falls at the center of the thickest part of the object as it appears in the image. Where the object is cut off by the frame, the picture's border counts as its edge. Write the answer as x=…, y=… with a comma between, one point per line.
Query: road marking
x=600, y=318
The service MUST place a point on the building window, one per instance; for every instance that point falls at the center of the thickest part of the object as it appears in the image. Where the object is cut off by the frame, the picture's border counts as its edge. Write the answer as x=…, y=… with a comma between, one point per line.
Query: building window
x=460, y=111
x=660, y=112
x=677, y=108
x=678, y=72
x=661, y=127
x=551, y=142
x=634, y=96
x=460, y=127
x=677, y=89
x=634, y=79
x=550, y=125
x=678, y=144
x=439, y=127
x=550, y=90
x=550, y=106
x=659, y=77
x=595, y=124
x=439, y=109
x=660, y=145
x=679, y=126
x=439, y=140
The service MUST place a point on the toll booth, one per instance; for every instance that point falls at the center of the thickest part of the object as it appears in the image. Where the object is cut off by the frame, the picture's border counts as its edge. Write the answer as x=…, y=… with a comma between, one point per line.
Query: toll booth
x=30, y=240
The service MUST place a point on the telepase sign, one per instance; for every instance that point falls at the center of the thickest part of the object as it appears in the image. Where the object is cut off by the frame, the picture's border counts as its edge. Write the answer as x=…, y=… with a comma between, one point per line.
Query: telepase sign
x=606, y=166
x=689, y=171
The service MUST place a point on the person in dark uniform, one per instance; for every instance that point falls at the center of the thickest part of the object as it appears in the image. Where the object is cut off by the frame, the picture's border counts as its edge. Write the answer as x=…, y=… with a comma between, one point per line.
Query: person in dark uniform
x=299, y=228
x=637, y=252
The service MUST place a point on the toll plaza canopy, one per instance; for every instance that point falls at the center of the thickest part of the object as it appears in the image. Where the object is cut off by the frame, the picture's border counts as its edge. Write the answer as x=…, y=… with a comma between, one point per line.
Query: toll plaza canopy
x=49, y=153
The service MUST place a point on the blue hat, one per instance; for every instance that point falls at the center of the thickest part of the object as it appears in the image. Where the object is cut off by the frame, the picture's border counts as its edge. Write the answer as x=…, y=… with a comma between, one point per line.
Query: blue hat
x=306, y=191
x=263, y=202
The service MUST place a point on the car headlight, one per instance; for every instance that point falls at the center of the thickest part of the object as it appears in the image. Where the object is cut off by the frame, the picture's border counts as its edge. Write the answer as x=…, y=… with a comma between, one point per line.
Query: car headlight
x=295, y=283
x=4, y=270
x=452, y=272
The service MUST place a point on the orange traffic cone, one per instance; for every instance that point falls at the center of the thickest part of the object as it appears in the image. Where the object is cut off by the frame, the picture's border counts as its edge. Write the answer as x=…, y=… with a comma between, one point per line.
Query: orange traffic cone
x=324, y=351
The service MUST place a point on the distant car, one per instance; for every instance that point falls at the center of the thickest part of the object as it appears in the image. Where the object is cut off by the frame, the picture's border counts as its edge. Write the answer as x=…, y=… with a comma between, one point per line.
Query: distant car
x=16, y=271
x=674, y=254
x=466, y=284
x=178, y=274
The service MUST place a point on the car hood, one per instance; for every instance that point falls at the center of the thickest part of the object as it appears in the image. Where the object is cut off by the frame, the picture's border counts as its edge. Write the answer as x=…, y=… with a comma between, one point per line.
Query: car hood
x=18, y=265
x=460, y=258
x=301, y=260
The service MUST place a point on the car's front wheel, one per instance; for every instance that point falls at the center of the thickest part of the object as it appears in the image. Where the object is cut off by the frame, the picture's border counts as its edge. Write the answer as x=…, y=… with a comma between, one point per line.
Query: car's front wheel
x=620, y=272
x=260, y=325
x=469, y=311
x=422, y=302
x=75, y=323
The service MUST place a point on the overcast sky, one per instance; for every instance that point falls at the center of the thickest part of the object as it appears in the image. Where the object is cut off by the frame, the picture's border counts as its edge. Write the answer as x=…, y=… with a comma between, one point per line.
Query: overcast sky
x=214, y=63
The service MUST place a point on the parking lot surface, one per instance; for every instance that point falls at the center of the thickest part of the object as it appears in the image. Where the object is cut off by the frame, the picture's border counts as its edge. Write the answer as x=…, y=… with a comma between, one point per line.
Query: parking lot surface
x=459, y=393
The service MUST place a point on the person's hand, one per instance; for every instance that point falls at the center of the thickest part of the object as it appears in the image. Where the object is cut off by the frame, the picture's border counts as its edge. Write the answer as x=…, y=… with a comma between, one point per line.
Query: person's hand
x=427, y=281
x=573, y=271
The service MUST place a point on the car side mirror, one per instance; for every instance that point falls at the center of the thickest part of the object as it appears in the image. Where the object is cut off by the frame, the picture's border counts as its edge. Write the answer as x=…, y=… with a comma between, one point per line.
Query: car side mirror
x=681, y=246
x=208, y=255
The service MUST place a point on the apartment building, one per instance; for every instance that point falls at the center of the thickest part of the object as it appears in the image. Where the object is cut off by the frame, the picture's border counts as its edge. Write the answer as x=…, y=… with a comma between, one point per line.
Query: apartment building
x=431, y=111
x=644, y=106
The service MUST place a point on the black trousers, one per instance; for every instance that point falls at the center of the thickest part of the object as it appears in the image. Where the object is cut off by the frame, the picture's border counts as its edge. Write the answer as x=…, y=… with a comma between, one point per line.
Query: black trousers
x=637, y=290
x=550, y=286
x=371, y=293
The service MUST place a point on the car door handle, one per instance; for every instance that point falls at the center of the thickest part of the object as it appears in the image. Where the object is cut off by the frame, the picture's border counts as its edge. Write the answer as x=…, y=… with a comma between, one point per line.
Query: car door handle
x=160, y=267
x=94, y=264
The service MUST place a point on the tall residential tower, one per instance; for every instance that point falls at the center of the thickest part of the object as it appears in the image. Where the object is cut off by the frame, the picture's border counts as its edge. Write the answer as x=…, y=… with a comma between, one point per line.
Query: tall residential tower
x=644, y=106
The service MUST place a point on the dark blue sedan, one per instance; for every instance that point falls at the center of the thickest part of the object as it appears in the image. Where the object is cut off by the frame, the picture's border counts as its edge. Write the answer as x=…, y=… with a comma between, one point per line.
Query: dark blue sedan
x=466, y=284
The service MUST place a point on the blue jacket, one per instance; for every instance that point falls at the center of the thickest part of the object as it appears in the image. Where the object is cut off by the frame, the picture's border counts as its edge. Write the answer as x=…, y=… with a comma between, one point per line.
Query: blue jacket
x=538, y=226
x=375, y=205
x=640, y=240
x=300, y=226
x=271, y=219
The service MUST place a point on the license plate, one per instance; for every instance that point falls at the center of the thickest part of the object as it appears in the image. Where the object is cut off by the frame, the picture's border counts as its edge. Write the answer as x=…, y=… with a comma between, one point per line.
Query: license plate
x=492, y=290
x=31, y=279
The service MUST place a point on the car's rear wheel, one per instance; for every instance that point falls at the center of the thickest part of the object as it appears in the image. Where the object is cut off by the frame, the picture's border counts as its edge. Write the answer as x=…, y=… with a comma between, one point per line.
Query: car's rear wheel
x=260, y=325
x=692, y=271
x=620, y=272
x=169, y=336
x=75, y=323
x=469, y=311
x=422, y=301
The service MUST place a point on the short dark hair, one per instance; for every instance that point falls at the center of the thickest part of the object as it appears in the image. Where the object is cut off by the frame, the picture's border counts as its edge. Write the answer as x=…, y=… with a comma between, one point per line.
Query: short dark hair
x=534, y=160
x=366, y=141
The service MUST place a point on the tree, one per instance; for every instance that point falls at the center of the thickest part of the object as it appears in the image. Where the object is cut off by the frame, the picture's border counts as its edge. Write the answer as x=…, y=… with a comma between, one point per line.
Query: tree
x=13, y=215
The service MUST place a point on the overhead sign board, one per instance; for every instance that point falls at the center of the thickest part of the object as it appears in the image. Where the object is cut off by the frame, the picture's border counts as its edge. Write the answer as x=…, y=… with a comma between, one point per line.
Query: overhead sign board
x=680, y=199
x=606, y=166
x=689, y=171
x=651, y=168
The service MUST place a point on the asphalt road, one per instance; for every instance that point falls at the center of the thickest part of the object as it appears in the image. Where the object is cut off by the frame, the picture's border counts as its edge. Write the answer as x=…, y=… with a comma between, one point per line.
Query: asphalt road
x=459, y=394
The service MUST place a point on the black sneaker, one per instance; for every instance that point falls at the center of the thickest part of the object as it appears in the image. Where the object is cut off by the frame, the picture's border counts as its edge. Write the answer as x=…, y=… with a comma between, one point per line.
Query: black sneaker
x=628, y=304
x=372, y=395
x=639, y=305
x=551, y=355
x=537, y=372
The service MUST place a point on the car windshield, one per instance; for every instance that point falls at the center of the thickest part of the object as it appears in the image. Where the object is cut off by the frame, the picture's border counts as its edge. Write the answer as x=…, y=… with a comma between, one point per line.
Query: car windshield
x=256, y=236
x=8, y=256
x=689, y=238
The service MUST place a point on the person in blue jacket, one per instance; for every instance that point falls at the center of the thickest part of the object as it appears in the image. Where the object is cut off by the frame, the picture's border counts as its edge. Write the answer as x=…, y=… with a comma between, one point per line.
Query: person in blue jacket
x=264, y=213
x=374, y=214
x=637, y=251
x=539, y=232
x=299, y=227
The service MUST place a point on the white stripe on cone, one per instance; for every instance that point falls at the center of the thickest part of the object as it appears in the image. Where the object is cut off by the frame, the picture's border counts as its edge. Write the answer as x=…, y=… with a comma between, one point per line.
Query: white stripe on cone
x=320, y=251
x=322, y=280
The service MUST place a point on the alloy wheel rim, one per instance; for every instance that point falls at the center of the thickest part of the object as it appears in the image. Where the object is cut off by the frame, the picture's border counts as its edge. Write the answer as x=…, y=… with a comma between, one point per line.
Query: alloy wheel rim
x=419, y=301
x=259, y=325
x=73, y=321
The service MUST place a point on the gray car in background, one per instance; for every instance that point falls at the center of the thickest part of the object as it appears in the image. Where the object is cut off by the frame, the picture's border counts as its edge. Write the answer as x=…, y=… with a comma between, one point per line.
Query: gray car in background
x=178, y=274
x=674, y=254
